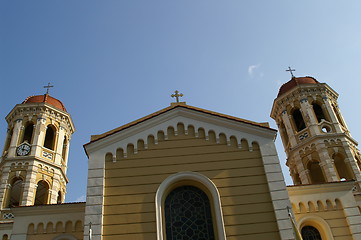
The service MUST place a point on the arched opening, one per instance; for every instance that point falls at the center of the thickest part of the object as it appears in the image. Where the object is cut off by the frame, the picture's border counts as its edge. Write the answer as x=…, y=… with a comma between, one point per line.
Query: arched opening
x=5, y=237
x=316, y=173
x=188, y=214
x=310, y=233
x=59, y=199
x=298, y=120
x=338, y=116
x=318, y=112
x=42, y=191
x=65, y=148
x=15, y=192
x=49, y=141
x=342, y=170
x=8, y=140
x=28, y=132
x=201, y=185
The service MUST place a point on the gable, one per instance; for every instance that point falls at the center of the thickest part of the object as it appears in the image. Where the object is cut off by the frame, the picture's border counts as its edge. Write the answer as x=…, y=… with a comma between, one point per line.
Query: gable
x=131, y=134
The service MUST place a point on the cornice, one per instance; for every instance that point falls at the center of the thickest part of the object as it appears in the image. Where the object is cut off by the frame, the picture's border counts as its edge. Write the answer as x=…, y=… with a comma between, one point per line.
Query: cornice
x=185, y=115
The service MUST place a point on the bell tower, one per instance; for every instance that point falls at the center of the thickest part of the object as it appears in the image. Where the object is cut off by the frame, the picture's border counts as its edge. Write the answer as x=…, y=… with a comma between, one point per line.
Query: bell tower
x=35, y=156
x=315, y=136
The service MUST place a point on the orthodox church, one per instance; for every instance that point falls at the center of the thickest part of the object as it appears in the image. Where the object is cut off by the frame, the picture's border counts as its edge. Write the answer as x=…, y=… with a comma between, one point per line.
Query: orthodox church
x=186, y=173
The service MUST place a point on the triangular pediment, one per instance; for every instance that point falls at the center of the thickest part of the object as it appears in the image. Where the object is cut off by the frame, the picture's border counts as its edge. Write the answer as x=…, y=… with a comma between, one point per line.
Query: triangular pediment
x=172, y=117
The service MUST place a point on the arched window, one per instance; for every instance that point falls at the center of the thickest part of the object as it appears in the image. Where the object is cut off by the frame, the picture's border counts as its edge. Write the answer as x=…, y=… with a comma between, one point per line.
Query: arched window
x=341, y=167
x=59, y=199
x=310, y=233
x=338, y=116
x=298, y=119
x=318, y=112
x=199, y=208
x=316, y=173
x=15, y=192
x=65, y=148
x=41, y=196
x=28, y=132
x=188, y=214
x=49, y=141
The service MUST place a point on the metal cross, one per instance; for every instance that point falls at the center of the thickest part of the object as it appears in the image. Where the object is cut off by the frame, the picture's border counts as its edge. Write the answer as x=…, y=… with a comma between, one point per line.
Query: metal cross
x=177, y=95
x=291, y=71
x=48, y=87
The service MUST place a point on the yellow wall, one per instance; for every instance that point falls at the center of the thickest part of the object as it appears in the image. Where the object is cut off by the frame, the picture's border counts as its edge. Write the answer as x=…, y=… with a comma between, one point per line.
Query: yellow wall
x=131, y=184
x=50, y=230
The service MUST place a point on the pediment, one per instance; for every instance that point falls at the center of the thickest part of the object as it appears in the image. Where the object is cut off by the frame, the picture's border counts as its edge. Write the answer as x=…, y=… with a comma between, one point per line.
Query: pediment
x=173, y=117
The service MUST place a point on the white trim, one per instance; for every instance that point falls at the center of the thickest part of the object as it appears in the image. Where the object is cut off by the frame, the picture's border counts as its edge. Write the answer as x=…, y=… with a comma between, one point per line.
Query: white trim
x=319, y=223
x=163, y=187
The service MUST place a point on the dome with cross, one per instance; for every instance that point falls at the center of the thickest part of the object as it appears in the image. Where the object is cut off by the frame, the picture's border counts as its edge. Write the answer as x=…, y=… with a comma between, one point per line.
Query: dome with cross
x=296, y=81
x=46, y=98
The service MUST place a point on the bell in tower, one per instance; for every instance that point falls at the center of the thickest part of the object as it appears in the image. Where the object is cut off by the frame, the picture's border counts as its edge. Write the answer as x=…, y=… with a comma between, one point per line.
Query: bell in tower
x=316, y=139
x=34, y=160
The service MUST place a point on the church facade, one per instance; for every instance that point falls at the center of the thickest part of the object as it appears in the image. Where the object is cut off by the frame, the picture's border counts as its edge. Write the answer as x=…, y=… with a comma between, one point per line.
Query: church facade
x=186, y=173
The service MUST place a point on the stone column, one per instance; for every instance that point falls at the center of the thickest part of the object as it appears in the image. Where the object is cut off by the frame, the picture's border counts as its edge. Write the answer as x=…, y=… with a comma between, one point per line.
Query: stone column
x=4, y=185
x=15, y=138
x=326, y=163
x=310, y=118
x=289, y=128
x=350, y=161
x=29, y=187
x=332, y=114
x=59, y=145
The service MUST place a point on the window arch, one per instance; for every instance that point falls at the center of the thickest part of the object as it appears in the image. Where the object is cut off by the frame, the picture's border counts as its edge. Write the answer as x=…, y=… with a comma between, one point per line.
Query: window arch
x=298, y=120
x=59, y=200
x=317, y=109
x=315, y=171
x=322, y=227
x=197, y=181
x=310, y=233
x=49, y=141
x=42, y=192
x=16, y=190
x=28, y=132
x=65, y=148
x=338, y=115
x=188, y=214
x=342, y=170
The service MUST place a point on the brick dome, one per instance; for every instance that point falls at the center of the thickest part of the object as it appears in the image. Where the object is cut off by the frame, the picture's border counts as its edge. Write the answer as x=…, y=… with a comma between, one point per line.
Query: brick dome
x=296, y=81
x=46, y=98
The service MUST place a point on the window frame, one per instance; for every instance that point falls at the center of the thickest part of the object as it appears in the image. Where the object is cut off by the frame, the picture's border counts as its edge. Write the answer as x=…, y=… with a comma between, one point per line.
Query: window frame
x=198, y=179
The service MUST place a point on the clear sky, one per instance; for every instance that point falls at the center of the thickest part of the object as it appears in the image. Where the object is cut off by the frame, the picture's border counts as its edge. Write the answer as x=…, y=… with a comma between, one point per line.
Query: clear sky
x=114, y=61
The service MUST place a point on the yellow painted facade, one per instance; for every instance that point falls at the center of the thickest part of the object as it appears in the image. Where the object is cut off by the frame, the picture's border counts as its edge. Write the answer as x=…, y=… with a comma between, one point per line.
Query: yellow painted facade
x=231, y=163
x=131, y=184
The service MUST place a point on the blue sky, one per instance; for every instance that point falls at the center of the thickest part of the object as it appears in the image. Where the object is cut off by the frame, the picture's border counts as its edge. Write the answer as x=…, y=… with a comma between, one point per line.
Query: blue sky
x=114, y=61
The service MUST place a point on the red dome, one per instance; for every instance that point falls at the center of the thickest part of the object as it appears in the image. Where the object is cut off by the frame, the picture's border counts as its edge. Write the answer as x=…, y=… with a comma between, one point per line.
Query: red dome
x=46, y=98
x=295, y=82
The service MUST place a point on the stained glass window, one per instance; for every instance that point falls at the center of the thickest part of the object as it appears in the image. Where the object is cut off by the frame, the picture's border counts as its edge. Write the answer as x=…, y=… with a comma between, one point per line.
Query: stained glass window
x=188, y=215
x=310, y=233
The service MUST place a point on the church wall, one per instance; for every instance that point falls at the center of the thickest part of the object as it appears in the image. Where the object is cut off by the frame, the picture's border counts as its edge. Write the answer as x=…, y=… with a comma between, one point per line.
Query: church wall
x=238, y=173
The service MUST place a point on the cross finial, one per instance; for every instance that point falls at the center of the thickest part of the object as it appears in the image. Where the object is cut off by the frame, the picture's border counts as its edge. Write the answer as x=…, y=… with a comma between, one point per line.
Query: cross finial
x=48, y=87
x=177, y=95
x=291, y=71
